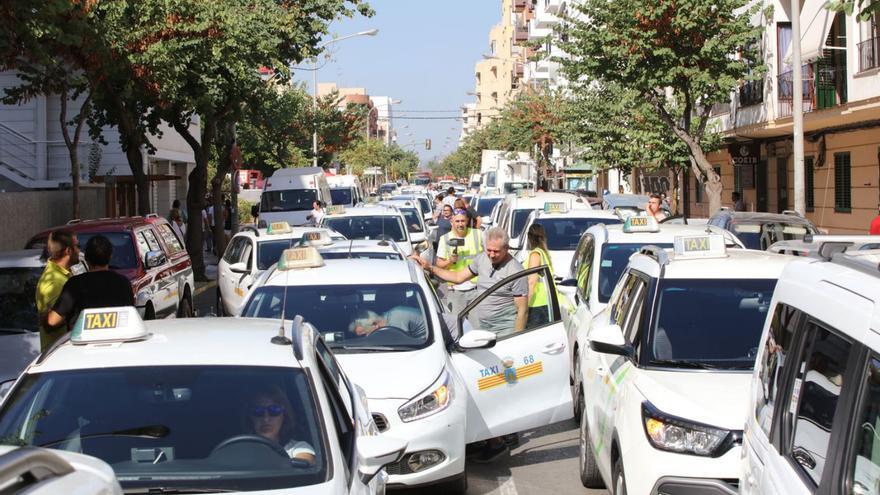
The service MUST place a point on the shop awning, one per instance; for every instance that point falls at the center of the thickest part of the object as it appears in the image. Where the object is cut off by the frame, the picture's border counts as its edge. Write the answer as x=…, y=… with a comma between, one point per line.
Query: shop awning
x=816, y=23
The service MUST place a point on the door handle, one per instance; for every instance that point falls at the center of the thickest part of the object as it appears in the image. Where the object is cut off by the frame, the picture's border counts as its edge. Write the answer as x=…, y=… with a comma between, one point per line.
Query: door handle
x=554, y=348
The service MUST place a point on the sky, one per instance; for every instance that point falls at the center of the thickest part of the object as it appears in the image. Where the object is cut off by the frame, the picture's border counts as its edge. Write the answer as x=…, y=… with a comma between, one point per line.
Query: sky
x=423, y=55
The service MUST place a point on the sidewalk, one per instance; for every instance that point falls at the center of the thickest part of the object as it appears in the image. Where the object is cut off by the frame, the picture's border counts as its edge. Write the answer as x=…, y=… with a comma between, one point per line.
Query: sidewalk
x=210, y=272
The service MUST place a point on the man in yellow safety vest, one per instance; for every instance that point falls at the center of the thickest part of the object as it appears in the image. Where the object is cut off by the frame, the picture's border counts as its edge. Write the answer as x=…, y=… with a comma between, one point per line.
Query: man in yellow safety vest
x=455, y=252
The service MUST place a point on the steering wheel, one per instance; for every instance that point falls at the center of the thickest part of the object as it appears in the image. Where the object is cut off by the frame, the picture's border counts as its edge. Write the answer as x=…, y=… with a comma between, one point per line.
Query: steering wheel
x=251, y=439
x=393, y=329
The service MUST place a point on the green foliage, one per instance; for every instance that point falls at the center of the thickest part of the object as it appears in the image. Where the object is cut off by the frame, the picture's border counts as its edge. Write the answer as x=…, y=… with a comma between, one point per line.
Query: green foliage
x=392, y=160
x=864, y=8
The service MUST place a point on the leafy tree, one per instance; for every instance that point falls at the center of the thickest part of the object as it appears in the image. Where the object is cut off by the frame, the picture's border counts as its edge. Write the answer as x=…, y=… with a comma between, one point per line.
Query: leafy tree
x=864, y=8
x=680, y=56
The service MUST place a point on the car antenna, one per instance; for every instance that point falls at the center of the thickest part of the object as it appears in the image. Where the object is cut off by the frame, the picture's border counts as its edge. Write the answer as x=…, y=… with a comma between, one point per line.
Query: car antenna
x=281, y=339
x=350, y=247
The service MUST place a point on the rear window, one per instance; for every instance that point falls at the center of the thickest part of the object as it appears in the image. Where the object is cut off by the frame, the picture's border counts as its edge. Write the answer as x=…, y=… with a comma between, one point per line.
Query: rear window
x=124, y=255
x=368, y=227
x=342, y=196
x=288, y=200
x=563, y=234
x=761, y=235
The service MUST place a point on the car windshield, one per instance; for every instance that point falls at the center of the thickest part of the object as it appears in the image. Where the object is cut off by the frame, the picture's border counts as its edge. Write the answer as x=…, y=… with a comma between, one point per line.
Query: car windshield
x=288, y=200
x=269, y=252
x=123, y=256
x=614, y=259
x=177, y=427
x=485, y=205
x=512, y=187
x=368, y=227
x=387, y=188
x=424, y=204
x=341, y=196
x=18, y=308
x=413, y=219
x=709, y=323
x=357, y=318
x=761, y=235
x=520, y=217
x=563, y=234
x=423, y=181
x=360, y=255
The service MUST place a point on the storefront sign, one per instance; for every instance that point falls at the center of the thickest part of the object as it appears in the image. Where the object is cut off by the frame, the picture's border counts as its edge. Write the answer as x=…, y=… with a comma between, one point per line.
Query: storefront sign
x=744, y=154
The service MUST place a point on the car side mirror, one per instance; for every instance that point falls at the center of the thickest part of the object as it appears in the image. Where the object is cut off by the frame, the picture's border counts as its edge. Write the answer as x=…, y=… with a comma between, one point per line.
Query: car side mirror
x=240, y=267
x=608, y=339
x=476, y=339
x=417, y=237
x=154, y=258
x=568, y=282
x=566, y=290
x=515, y=245
x=376, y=452
x=486, y=221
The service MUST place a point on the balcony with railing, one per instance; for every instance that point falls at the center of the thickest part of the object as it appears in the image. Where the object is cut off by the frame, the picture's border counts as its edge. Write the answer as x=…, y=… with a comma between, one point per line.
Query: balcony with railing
x=520, y=5
x=751, y=93
x=520, y=34
x=869, y=54
x=824, y=86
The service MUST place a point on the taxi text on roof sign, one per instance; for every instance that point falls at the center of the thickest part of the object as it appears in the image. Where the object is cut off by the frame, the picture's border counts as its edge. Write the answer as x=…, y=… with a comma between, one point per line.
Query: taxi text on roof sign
x=317, y=238
x=300, y=258
x=700, y=246
x=555, y=207
x=640, y=224
x=335, y=210
x=279, y=228
x=120, y=324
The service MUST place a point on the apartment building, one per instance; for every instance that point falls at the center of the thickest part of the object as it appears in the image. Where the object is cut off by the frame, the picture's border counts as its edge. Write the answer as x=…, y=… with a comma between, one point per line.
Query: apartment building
x=543, y=70
x=841, y=108
x=354, y=96
x=33, y=156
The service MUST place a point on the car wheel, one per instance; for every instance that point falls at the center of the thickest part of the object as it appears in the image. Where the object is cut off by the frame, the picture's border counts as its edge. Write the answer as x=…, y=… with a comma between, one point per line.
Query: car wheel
x=220, y=311
x=619, y=478
x=577, y=395
x=185, y=310
x=589, y=470
x=149, y=312
x=458, y=485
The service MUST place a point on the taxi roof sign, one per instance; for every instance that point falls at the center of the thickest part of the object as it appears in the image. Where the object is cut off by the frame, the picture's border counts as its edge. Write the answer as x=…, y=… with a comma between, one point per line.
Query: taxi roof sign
x=700, y=246
x=635, y=223
x=300, y=258
x=316, y=238
x=276, y=228
x=556, y=207
x=335, y=209
x=106, y=325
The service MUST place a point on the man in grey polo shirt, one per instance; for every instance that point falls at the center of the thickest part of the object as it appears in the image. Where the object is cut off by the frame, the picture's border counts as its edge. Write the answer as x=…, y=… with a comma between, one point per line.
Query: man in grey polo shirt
x=505, y=310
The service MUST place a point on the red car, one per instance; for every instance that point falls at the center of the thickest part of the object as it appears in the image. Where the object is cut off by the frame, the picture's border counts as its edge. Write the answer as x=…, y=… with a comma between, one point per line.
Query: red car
x=148, y=252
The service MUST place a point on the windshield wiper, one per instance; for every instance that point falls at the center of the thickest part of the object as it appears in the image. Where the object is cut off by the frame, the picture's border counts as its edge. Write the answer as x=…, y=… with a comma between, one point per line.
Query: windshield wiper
x=680, y=363
x=165, y=490
x=151, y=431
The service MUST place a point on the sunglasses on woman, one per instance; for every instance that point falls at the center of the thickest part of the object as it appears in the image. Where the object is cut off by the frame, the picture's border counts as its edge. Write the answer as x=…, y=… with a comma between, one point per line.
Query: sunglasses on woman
x=261, y=411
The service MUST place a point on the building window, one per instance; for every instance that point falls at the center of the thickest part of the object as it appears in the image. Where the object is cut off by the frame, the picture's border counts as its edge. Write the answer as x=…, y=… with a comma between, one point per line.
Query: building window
x=737, y=179
x=808, y=183
x=842, y=183
x=869, y=47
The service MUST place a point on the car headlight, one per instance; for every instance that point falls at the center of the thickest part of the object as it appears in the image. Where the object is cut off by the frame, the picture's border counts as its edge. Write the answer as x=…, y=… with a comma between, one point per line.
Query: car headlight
x=673, y=434
x=432, y=400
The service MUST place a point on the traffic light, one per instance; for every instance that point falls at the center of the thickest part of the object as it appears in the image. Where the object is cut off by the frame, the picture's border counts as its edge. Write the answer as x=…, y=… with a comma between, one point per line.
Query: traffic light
x=427, y=144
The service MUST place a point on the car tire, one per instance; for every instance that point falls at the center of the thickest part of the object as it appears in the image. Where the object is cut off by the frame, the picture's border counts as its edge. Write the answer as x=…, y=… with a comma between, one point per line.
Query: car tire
x=589, y=470
x=619, y=478
x=458, y=485
x=220, y=311
x=577, y=402
x=149, y=312
x=185, y=310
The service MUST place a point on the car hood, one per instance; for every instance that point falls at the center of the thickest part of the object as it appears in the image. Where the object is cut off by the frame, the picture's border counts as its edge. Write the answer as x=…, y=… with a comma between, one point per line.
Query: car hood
x=716, y=399
x=17, y=351
x=392, y=375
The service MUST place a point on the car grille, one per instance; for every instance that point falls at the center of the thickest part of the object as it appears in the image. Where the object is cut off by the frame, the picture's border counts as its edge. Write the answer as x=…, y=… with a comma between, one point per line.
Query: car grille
x=381, y=422
x=399, y=467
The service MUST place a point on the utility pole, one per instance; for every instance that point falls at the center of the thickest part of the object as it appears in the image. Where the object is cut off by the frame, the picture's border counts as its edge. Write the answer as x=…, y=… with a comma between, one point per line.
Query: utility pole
x=798, y=110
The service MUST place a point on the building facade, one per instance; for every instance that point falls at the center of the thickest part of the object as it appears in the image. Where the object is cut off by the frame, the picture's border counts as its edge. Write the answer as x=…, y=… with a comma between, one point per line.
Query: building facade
x=841, y=114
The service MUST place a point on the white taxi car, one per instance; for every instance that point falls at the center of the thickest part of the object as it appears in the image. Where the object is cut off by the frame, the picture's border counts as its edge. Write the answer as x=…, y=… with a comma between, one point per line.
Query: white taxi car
x=383, y=321
x=250, y=252
x=601, y=256
x=813, y=414
x=211, y=405
x=515, y=209
x=369, y=222
x=666, y=368
x=564, y=228
x=415, y=223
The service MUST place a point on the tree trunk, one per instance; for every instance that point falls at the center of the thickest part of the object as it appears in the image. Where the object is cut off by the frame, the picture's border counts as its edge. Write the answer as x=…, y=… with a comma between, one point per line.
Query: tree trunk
x=195, y=195
x=72, y=143
x=224, y=165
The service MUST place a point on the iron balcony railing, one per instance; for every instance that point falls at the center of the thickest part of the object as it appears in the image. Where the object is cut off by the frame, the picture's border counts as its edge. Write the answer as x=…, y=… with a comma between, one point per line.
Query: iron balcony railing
x=751, y=93
x=868, y=54
x=823, y=86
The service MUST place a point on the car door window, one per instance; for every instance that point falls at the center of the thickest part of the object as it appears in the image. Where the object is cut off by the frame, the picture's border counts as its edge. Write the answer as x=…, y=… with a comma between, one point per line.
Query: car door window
x=621, y=298
x=171, y=241
x=143, y=246
x=152, y=241
x=333, y=368
x=233, y=251
x=864, y=471
x=496, y=311
x=343, y=422
x=244, y=255
x=776, y=348
x=635, y=315
x=814, y=398
x=583, y=271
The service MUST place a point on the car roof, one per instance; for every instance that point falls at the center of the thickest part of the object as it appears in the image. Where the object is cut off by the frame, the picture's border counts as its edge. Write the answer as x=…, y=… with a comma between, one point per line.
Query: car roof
x=538, y=200
x=120, y=224
x=736, y=263
x=762, y=217
x=579, y=213
x=366, y=211
x=346, y=272
x=361, y=246
x=667, y=233
x=23, y=258
x=400, y=203
x=295, y=233
x=184, y=342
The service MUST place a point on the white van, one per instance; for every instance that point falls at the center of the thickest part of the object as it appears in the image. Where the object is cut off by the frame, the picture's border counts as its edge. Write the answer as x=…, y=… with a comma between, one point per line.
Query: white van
x=345, y=190
x=289, y=194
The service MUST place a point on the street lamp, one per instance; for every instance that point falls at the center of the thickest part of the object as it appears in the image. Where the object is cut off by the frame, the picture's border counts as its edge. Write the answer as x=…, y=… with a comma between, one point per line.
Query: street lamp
x=369, y=32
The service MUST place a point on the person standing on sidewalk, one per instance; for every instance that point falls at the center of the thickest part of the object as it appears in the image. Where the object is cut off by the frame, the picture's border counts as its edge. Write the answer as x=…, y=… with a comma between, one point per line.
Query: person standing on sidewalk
x=456, y=259
x=100, y=287
x=63, y=250
x=875, y=225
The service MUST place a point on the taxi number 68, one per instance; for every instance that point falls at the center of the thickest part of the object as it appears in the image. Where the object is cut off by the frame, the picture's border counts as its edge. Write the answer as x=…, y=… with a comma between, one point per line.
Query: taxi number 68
x=529, y=359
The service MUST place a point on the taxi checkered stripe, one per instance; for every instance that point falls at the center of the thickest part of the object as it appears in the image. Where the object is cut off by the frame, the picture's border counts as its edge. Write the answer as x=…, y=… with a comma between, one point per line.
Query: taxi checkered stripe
x=521, y=372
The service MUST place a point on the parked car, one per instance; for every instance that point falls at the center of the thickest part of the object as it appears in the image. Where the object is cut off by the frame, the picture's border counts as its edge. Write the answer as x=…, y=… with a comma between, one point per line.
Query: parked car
x=759, y=230
x=147, y=252
x=19, y=337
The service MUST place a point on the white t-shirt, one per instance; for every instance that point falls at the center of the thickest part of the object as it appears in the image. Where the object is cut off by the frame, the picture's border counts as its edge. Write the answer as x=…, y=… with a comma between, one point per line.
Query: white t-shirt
x=295, y=448
x=449, y=199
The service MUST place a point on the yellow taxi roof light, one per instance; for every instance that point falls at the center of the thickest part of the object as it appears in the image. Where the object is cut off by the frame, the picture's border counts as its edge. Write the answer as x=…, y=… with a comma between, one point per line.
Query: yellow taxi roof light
x=276, y=228
x=700, y=246
x=300, y=258
x=637, y=223
x=559, y=207
x=317, y=238
x=106, y=325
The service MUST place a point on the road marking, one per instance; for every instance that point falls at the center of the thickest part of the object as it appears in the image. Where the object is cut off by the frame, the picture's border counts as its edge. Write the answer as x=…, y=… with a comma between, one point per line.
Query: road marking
x=202, y=289
x=506, y=486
